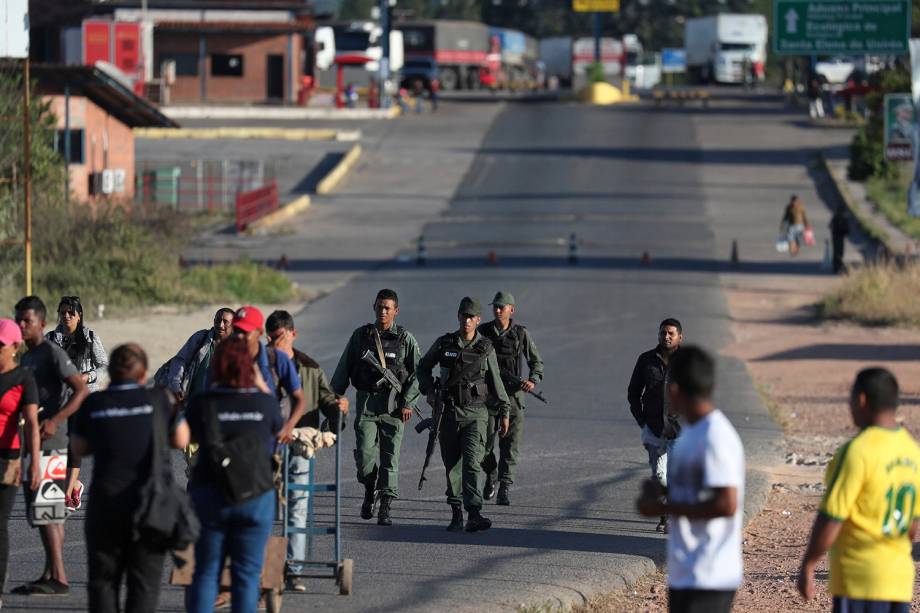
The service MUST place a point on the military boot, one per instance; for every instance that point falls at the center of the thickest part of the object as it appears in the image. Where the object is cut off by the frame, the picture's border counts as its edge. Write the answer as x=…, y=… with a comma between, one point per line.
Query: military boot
x=488, y=492
x=477, y=522
x=383, y=516
x=503, y=495
x=456, y=522
x=367, y=507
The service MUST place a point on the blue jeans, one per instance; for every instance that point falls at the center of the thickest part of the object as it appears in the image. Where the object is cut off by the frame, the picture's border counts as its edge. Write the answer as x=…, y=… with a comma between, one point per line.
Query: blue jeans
x=299, y=473
x=240, y=531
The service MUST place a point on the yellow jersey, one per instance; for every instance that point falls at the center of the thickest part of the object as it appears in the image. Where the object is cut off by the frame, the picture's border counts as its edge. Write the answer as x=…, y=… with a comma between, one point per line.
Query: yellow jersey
x=872, y=486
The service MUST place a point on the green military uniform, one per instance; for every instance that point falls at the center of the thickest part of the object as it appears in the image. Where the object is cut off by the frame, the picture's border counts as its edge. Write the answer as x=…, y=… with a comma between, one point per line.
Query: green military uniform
x=469, y=375
x=512, y=347
x=319, y=398
x=378, y=426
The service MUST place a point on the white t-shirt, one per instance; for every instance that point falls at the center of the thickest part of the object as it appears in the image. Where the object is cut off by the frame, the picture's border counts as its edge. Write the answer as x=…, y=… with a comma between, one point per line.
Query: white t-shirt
x=705, y=554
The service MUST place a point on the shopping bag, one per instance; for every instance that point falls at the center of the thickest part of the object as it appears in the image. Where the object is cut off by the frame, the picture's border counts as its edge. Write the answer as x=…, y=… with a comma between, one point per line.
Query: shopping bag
x=782, y=245
x=809, y=237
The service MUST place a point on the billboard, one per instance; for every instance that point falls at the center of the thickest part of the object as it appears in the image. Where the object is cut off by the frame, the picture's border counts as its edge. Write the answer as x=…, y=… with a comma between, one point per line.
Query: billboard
x=899, y=127
x=14, y=21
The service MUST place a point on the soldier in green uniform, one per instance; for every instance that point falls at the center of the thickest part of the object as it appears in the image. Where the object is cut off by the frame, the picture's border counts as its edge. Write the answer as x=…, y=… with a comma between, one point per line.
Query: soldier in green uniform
x=379, y=423
x=469, y=376
x=513, y=346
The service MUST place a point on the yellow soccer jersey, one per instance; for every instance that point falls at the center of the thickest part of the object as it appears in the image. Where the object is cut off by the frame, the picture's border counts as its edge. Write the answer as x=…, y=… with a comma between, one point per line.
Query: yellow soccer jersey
x=872, y=486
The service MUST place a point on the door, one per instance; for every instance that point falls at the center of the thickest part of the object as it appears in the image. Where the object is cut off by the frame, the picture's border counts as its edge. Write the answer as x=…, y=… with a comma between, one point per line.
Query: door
x=274, y=77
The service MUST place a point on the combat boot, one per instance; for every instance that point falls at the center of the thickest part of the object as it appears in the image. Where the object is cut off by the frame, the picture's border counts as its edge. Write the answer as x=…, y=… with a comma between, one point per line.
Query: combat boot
x=456, y=522
x=503, y=495
x=367, y=507
x=383, y=516
x=477, y=522
x=488, y=492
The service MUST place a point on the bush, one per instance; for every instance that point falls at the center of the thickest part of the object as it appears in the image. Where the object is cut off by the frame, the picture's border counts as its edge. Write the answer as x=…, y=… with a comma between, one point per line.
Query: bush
x=595, y=73
x=877, y=295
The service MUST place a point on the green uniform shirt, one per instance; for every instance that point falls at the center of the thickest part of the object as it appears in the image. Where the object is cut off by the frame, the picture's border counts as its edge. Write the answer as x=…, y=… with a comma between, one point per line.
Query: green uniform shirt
x=489, y=371
x=377, y=403
x=318, y=396
x=531, y=356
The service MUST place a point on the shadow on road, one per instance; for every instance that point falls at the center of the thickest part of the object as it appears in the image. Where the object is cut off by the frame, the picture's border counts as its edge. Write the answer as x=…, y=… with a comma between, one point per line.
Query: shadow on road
x=847, y=351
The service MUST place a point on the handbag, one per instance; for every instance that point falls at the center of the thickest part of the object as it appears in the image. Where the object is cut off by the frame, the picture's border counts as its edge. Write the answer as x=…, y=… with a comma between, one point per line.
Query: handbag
x=165, y=517
x=234, y=462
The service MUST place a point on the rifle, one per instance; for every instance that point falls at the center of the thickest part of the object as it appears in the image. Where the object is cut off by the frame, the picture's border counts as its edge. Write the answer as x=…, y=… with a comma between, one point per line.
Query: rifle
x=433, y=425
x=517, y=384
x=386, y=378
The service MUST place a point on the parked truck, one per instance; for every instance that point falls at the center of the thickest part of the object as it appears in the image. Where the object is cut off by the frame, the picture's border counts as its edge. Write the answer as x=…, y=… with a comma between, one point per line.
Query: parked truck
x=556, y=55
x=720, y=48
x=459, y=48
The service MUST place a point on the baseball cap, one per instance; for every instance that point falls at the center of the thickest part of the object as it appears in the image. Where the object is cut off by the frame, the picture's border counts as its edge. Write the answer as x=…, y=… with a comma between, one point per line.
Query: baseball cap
x=503, y=299
x=470, y=306
x=248, y=318
x=9, y=332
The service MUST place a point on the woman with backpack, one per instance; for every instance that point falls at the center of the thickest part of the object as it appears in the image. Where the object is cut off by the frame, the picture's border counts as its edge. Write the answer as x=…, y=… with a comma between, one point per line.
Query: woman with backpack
x=231, y=485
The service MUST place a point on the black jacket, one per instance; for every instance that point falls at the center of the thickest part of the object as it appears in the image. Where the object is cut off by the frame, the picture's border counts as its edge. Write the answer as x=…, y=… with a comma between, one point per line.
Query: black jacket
x=646, y=391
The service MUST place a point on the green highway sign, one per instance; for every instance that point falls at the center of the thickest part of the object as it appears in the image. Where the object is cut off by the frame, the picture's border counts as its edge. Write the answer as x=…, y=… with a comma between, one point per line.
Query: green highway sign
x=824, y=27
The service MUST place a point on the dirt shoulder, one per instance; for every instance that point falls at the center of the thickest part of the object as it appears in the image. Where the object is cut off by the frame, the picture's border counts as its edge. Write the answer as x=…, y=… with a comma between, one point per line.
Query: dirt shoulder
x=804, y=368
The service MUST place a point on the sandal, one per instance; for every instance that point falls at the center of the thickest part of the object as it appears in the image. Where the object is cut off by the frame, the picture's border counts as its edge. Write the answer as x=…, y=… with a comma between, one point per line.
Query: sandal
x=43, y=587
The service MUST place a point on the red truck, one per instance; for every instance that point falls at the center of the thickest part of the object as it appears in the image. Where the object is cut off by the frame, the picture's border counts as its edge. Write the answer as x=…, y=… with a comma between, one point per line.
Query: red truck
x=461, y=50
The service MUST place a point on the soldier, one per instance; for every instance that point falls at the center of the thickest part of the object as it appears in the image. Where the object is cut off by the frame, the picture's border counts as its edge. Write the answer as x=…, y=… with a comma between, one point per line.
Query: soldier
x=513, y=345
x=469, y=375
x=380, y=416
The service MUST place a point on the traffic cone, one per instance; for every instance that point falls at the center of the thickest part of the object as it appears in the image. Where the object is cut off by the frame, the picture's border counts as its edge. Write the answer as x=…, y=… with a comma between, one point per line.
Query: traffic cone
x=646, y=259
x=492, y=258
x=733, y=260
x=827, y=264
x=421, y=257
x=573, y=249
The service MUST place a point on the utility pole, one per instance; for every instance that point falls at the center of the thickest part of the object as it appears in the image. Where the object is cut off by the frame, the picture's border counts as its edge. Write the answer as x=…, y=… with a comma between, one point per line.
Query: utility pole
x=384, y=53
x=27, y=175
x=597, y=38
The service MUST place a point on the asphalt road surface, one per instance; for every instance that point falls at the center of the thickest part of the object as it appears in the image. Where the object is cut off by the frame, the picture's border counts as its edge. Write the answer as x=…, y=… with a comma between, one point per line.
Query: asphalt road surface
x=624, y=181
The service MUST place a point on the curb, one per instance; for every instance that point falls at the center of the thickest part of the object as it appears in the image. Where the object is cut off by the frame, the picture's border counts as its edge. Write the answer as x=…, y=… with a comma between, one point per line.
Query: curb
x=287, y=211
x=271, y=133
x=276, y=113
x=866, y=225
x=329, y=182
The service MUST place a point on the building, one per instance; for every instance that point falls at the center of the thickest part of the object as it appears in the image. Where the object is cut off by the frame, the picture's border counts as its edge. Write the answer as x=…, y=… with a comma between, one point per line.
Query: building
x=96, y=113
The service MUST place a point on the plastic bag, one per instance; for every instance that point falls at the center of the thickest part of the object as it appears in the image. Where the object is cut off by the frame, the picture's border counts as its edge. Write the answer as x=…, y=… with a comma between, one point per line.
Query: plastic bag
x=782, y=245
x=809, y=237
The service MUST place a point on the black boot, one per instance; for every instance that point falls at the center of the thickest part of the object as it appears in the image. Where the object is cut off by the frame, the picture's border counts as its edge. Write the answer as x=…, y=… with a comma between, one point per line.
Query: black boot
x=476, y=522
x=488, y=492
x=456, y=522
x=367, y=507
x=383, y=516
x=503, y=495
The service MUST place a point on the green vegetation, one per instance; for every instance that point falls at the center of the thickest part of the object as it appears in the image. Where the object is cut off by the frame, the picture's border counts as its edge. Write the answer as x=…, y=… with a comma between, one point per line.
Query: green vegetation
x=877, y=296
x=889, y=194
x=867, y=155
x=595, y=73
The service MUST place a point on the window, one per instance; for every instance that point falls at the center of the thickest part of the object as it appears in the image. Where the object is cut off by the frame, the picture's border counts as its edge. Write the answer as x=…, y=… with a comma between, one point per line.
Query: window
x=186, y=63
x=76, y=145
x=226, y=65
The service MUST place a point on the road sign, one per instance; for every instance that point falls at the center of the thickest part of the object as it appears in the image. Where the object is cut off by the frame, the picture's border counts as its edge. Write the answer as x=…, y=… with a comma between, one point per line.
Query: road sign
x=899, y=127
x=805, y=27
x=596, y=6
x=673, y=60
x=14, y=28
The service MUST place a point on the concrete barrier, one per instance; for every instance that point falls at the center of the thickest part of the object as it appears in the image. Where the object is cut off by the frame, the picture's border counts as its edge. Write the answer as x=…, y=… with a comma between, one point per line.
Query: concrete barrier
x=287, y=211
x=244, y=132
x=329, y=182
x=288, y=113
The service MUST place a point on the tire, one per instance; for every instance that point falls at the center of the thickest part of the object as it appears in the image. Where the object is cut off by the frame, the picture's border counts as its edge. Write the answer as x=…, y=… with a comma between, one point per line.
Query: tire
x=272, y=601
x=450, y=80
x=346, y=574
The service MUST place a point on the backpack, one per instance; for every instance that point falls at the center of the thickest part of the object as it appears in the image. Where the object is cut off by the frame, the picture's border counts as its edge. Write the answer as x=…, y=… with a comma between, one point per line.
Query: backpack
x=161, y=377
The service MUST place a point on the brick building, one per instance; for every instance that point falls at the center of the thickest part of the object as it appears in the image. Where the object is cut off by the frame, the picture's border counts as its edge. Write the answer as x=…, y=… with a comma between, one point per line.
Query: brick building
x=96, y=135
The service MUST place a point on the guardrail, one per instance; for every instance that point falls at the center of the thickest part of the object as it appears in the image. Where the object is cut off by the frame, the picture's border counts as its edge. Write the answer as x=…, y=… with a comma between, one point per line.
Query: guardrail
x=254, y=204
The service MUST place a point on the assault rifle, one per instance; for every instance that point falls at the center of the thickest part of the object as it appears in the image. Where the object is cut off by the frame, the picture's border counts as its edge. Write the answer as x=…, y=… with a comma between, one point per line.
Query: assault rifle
x=433, y=425
x=387, y=378
x=516, y=384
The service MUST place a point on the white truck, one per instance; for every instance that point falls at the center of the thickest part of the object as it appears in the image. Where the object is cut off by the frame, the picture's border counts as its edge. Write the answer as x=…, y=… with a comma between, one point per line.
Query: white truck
x=720, y=47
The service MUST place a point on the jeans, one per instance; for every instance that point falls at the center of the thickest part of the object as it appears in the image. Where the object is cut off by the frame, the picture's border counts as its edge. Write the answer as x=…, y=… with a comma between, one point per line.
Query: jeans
x=7, y=498
x=240, y=531
x=112, y=555
x=658, y=450
x=299, y=473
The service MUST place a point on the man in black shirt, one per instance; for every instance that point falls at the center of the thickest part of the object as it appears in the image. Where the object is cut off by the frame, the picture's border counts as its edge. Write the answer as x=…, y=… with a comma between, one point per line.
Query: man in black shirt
x=53, y=372
x=647, y=395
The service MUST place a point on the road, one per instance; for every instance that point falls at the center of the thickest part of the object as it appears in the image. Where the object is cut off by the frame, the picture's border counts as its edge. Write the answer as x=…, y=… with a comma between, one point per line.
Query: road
x=625, y=181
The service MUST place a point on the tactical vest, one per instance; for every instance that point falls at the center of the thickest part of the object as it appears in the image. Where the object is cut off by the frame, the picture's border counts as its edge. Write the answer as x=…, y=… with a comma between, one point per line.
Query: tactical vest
x=509, y=347
x=465, y=384
x=363, y=376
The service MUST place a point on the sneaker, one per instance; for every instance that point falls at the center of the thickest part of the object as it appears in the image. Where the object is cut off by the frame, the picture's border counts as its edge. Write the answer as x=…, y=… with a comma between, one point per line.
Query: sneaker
x=76, y=499
x=296, y=584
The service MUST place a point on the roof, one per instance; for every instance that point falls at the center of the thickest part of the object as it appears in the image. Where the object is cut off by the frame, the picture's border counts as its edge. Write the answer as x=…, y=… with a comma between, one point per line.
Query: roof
x=247, y=27
x=104, y=90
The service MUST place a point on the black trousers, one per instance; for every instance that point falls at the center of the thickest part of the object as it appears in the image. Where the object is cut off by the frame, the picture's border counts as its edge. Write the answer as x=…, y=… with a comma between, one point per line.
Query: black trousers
x=700, y=601
x=113, y=557
x=7, y=498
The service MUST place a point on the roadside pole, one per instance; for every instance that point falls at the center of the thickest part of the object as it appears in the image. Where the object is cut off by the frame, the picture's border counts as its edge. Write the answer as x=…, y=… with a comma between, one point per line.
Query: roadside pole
x=27, y=176
x=597, y=38
x=383, y=97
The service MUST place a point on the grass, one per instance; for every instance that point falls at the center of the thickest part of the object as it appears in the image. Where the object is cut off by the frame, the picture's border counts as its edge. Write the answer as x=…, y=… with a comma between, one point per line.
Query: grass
x=890, y=196
x=881, y=295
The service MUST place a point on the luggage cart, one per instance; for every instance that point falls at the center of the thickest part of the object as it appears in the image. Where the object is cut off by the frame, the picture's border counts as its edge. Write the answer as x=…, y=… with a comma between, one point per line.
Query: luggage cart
x=340, y=569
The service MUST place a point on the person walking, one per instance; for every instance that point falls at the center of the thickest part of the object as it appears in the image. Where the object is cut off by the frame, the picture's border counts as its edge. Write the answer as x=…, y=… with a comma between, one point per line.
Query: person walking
x=54, y=372
x=115, y=426
x=647, y=402
x=867, y=518
x=705, y=493
x=815, y=100
x=233, y=412
x=794, y=224
x=469, y=375
x=379, y=424
x=185, y=373
x=320, y=400
x=840, y=229
x=513, y=346
x=18, y=400
x=84, y=347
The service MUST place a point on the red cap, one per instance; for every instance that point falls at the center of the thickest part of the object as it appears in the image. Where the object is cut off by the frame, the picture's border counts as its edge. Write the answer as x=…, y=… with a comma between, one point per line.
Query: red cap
x=248, y=318
x=9, y=332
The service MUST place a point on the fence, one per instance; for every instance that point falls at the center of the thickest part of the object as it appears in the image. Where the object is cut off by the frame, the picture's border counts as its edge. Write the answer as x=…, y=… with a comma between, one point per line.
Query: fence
x=254, y=204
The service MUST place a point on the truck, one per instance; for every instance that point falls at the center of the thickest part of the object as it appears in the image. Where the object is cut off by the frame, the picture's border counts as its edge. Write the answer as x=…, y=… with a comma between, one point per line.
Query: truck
x=556, y=55
x=612, y=58
x=720, y=48
x=517, y=57
x=459, y=48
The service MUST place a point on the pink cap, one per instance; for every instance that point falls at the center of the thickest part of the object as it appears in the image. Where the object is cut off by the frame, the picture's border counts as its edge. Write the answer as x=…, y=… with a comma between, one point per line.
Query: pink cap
x=9, y=332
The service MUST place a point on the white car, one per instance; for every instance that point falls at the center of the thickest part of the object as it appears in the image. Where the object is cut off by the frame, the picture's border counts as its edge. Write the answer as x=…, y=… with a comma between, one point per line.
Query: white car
x=835, y=70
